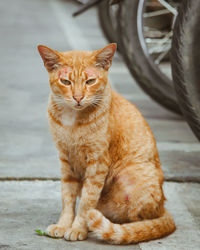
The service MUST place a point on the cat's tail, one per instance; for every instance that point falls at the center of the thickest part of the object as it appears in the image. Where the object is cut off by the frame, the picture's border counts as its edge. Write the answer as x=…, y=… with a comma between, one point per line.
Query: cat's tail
x=129, y=232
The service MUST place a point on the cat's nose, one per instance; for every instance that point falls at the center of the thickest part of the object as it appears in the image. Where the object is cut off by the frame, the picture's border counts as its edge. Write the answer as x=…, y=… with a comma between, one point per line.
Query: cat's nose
x=78, y=98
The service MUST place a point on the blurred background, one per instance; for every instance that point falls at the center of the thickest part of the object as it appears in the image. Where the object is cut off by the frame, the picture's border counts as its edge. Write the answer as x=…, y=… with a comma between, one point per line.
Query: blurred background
x=27, y=148
x=141, y=72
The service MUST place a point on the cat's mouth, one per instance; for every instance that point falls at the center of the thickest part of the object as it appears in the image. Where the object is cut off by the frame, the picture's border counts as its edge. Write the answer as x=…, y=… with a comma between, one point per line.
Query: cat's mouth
x=78, y=106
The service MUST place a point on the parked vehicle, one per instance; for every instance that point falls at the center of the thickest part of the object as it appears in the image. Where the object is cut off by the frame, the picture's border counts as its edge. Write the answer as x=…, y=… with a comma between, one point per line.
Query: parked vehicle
x=145, y=44
x=155, y=35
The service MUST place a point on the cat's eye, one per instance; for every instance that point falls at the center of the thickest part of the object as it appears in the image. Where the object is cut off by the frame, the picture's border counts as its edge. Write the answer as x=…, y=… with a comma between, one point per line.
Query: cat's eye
x=65, y=81
x=90, y=81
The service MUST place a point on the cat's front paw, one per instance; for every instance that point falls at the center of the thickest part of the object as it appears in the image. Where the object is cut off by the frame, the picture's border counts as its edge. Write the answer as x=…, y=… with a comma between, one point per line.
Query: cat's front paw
x=55, y=230
x=74, y=234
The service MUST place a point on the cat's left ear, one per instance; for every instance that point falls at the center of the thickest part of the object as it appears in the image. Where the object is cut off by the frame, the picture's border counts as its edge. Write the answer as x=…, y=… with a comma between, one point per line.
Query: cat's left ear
x=50, y=57
x=105, y=55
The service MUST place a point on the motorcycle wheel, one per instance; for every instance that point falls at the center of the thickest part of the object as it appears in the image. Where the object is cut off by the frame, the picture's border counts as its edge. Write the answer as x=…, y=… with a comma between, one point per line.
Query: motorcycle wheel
x=107, y=22
x=186, y=62
x=141, y=65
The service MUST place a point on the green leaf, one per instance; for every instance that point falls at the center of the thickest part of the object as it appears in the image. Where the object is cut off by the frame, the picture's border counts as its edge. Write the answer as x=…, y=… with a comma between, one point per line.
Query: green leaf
x=38, y=231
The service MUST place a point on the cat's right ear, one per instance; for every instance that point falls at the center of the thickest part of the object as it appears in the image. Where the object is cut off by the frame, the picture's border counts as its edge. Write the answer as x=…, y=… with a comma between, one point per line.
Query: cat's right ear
x=50, y=58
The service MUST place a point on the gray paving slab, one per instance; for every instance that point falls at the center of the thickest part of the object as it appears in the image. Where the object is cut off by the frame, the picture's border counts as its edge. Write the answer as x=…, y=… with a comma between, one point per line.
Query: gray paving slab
x=190, y=197
x=26, y=206
x=172, y=131
x=180, y=165
x=150, y=109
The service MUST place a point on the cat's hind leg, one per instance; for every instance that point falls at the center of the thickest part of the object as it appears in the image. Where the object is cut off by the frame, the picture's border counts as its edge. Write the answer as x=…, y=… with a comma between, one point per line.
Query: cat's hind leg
x=137, y=198
x=135, y=194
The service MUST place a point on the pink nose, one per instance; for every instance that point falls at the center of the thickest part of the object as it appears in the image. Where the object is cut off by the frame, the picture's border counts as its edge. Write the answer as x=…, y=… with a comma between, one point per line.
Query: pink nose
x=78, y=98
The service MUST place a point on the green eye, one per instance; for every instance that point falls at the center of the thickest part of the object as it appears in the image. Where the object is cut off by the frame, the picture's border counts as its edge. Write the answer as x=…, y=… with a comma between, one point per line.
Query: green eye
x=90, y=81
x=65, y=82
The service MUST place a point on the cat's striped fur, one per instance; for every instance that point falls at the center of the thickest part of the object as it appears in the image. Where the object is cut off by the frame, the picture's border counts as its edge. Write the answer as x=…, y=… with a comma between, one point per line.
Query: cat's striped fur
x=107, y=152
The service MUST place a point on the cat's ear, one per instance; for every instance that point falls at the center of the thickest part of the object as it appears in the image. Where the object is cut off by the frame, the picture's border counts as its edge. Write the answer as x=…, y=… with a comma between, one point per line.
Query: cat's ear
x=50, y=57
x=105, y=55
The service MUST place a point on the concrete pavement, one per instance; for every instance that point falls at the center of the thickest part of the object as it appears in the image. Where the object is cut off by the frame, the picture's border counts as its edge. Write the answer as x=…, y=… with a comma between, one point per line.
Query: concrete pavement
x=26, y=148
x=30, y=205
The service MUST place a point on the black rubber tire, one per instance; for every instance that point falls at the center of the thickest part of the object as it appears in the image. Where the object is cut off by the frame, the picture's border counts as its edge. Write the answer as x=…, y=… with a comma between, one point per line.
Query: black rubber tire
x=106, y=22
x=186, y=62
x=147, y=74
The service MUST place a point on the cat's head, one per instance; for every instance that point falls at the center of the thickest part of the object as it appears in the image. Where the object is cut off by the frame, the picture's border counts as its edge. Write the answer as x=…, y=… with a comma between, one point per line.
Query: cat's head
x=78, y=78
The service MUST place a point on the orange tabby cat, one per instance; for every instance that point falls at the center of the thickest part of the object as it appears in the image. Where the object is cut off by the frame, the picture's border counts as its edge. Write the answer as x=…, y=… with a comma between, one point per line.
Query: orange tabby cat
x=107, y=152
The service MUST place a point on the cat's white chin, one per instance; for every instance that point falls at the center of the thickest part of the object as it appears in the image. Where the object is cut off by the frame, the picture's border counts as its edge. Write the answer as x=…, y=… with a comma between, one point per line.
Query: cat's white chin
x=78, y=107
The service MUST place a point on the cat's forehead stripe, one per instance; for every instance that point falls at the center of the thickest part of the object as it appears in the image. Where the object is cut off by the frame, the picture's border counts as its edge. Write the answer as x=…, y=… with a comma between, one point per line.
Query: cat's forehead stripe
x=79, y=73
x=73, y=74
x=84, y=75
x=70, y=75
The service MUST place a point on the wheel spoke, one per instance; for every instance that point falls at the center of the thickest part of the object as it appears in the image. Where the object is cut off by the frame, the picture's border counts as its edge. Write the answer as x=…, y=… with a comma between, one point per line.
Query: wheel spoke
x=158, y=45
x=162, y=55
x=166, y=38
x=168, y=6
x=156, y=13
x=155, y=49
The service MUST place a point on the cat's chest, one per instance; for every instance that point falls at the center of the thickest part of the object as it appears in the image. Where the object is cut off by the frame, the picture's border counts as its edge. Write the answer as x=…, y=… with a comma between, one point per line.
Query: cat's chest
x=69, y=137
x=75, y=141
x=79, y=143
x=68, y=118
